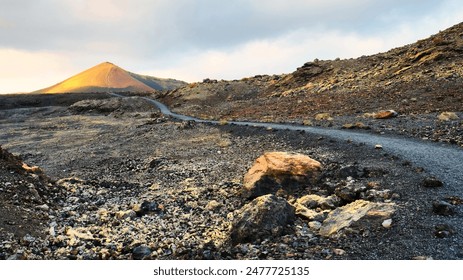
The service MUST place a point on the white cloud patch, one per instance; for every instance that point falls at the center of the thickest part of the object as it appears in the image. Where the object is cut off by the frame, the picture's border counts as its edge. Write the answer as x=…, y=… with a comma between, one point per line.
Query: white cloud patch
x=281, y=55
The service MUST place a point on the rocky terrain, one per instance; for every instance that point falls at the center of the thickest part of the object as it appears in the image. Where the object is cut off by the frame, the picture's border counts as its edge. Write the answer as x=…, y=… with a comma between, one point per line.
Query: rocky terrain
x=419, y=81
x=126, y=182
x=104, y=177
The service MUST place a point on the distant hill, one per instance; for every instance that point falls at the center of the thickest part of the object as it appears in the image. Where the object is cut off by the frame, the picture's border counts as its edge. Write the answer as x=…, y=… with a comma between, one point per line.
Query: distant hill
x=107, y=77
x=425, y=76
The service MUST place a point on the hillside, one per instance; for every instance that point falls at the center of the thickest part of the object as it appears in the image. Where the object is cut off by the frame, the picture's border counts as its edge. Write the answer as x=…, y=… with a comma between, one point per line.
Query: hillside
x=107, y=77
x=423, y=77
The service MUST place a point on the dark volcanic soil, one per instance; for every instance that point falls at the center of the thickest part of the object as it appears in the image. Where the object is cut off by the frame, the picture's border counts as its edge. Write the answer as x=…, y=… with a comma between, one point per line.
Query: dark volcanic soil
x=131, y=183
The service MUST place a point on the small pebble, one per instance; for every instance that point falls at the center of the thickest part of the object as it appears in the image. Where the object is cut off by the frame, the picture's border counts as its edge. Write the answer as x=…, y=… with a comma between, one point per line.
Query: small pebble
x=387, y=223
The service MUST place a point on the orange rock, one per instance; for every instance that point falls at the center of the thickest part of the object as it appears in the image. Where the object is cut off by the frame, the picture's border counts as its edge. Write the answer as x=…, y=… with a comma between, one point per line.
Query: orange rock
x=33, y=169
x=386, y=114
x=275, y=170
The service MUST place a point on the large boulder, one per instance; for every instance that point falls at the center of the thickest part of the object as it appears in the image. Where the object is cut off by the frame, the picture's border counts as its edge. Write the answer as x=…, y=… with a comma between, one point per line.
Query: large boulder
x=280, y=170
x=263, y=217
x=358, y=210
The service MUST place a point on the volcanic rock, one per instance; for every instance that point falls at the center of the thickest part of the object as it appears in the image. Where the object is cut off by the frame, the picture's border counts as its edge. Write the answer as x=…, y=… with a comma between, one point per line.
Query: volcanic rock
x=323, y=117
x=443, y=208
x=280, y=170
x=349, y=171
x=141, y=252
x=386, y=114
x=447, y=116
x=263, y=217
x=345, y=216
x=313, y=201
x=432, y=182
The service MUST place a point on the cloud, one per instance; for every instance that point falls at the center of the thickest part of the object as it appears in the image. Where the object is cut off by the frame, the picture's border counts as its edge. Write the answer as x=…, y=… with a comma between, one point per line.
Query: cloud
x=276, y=56
x=23, y=71
x=193, y=39
x=171, y=26
x=101, y=11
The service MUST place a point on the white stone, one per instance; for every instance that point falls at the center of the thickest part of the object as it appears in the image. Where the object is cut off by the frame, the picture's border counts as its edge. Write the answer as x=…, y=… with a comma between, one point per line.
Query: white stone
x=344, y=216
x=387, y=223
x=43, y=207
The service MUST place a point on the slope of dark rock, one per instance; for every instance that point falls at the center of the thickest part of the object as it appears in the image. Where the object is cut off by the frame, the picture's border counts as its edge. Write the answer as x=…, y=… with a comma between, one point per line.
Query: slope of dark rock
x=27, y=197
x=420, y=79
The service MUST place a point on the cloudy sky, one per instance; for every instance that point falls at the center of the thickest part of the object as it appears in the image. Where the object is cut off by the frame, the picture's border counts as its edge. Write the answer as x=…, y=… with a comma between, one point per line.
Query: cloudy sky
x=45, y=41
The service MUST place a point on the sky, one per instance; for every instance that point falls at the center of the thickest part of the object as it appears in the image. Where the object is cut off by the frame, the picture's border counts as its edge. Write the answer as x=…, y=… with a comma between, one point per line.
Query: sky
x=43, y=42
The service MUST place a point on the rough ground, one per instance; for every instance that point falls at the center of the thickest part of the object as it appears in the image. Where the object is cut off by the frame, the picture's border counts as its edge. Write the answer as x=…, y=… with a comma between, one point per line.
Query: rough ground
x=126, y=182
x=129, y=183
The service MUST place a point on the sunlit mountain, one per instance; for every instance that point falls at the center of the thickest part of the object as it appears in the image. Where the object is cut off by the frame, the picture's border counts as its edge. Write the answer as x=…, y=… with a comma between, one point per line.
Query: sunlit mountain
x=107, y=77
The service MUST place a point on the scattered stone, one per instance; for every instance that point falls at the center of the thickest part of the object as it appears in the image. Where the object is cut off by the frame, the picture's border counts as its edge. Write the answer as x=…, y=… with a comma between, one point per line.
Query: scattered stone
x=443, y=231
x=378, y=147
x=422, y=258
x=344, y=216
x=454, y=200
x=339, y=252
x=447, y=116
x=80, y=233
x=31, y=169
x=315, y=225
x=307, y=122
x=432, y=182
x=43, y=207
x=358, y=125
x=27, y=239
x=347, y=193
x=349, y=171
x=386, y=114
x=369, y=115
x=310, y=214
x=323, y=117
x=141, y=252
x=310, y=201
x=275, y=170
x=387, y=223
x=146, y=207
x=265, y=216
x=443, y=208
x=122, y=215
x=313, y=201
x=212, y=205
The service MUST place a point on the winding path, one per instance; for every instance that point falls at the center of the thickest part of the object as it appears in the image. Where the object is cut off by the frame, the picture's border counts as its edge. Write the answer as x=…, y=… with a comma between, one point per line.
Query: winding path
x=441, y=160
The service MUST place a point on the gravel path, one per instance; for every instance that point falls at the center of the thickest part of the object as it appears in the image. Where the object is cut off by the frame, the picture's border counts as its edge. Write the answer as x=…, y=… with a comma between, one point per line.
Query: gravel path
x=441, y=160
